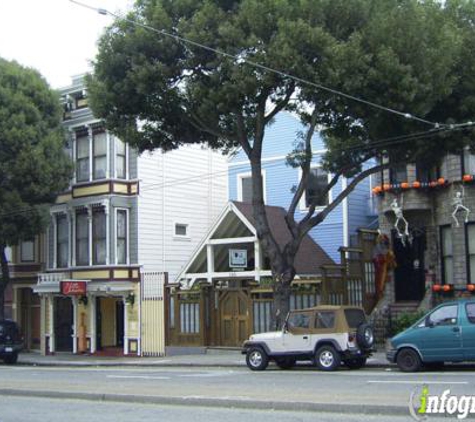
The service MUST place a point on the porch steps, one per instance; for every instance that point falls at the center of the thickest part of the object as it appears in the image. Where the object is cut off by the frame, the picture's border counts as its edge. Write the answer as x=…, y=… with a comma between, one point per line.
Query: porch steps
x=399, y=308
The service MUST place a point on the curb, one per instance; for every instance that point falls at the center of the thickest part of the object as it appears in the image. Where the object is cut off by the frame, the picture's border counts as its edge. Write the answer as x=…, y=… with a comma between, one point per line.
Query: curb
x=366, y=409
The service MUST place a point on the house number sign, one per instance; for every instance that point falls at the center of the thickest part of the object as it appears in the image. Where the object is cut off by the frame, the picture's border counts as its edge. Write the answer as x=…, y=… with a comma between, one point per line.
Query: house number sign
x=238, y=258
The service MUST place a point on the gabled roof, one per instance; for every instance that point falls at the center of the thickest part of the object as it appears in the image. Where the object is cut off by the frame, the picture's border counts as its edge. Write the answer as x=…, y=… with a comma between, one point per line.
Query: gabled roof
x=310, y=256
x=236, y=220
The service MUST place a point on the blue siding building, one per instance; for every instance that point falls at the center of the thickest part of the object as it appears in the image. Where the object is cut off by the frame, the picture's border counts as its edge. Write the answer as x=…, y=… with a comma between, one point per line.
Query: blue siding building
x=280, y=178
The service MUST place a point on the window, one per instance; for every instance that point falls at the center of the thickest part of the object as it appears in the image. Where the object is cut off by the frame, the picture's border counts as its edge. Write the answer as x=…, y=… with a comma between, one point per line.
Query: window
x=316, y=186
x=298, y=320
x=121, y=237
x=181, y=229
x=100, y=154
x=446, y=315
x=426, y=173
x=471, y=251
x=398, y=174
x=354, y=317
x=82, y=238
x=325, y=319
x=447, y=257
x=82, y=156
x=470, y=309
x=27, y=251
x=246, y=189
x=120, y=159
x=98, y=237
x=61, y=241
x=468, y=162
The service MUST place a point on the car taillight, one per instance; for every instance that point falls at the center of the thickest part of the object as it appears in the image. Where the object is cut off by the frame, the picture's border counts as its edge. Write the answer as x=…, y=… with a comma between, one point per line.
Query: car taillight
x=351, y=338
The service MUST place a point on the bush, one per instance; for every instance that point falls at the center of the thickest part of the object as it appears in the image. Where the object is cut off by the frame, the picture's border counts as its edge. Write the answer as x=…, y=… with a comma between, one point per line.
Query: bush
x=404, y=321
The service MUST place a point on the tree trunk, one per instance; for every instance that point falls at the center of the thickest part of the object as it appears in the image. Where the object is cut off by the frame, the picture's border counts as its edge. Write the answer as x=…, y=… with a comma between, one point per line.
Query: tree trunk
x=282, y=291
x=4, y=280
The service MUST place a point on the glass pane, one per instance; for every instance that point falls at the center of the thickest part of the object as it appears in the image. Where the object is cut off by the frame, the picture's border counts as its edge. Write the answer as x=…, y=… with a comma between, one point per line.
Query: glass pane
x=447, y=315
x=298, y=320
x=317, y=183
x=446, y=241
x=246, y=189
x=120, y=166
x=82, y=147
x=471, y=238
x=121, y=251
x=121, y=224
x=62, y=259
x=81, y=226
x=28, y=251
x=469, y=162
x=82, y=252
x=119, y=147
x=99, y=251
x=100, y=164
x=472, y=269
x=180, y=229
x=325, y=320
x=82, y=169
x=448, y=270
x=100, y=144
x=99, y=225
x=470, y=308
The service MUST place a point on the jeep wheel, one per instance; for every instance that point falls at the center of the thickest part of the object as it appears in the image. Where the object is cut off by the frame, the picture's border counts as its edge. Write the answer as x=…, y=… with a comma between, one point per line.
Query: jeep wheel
x=11, y=359
x=257, y=359
x=285, y=363
x=356, y=363
x=327, y=358
x=408, y=360
x=365, y=336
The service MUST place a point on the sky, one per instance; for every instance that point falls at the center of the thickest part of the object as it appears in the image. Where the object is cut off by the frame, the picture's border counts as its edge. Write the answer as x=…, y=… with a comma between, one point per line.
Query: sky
x=56, y=37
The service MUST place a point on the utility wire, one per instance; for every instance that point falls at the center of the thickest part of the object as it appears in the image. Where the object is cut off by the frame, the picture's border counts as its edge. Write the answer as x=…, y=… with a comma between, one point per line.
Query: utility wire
x=261, y=66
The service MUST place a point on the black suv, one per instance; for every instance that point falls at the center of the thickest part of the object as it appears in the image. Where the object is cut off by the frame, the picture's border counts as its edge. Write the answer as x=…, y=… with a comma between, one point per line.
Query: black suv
x=11, y=342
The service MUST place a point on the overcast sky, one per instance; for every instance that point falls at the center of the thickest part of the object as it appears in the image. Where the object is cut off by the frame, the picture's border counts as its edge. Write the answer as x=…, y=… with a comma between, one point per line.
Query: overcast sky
x=56, y=37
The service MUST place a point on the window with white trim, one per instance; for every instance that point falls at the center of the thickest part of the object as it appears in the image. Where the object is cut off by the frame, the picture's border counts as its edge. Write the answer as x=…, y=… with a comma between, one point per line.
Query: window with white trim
x=245, y=187
x=82, y=156
x=100, y=154
x=27, y=251
x=82, y=238
x=99, y=238
x=181, y=230
x=121, y=237
x=446, y=254
x=62, y=239
x=316, y=186
x=120, y=159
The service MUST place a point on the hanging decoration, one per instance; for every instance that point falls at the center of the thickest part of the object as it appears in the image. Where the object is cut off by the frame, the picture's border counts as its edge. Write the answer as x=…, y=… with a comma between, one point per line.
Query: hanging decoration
x=400, y=221
x=457, y=203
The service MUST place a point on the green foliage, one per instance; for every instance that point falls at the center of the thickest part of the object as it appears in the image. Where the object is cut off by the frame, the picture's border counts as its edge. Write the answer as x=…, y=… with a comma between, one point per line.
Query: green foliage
x=33, y=165
x=404, y=321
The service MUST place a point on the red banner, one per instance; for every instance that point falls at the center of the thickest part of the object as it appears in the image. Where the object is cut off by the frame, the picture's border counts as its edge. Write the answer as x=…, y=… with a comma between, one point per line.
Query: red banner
x=73, y=288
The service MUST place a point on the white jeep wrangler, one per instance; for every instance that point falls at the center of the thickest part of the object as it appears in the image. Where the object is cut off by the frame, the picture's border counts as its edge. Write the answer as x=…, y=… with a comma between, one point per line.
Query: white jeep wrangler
x=326, y=335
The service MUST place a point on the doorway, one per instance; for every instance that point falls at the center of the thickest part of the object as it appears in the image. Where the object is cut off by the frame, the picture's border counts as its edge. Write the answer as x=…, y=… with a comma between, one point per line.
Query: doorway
x=63, y=324
x=234, y=310
x=409, y=275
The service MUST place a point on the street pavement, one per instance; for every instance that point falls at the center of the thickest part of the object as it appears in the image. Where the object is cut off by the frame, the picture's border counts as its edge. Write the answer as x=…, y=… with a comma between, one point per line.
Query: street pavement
x=212, y=358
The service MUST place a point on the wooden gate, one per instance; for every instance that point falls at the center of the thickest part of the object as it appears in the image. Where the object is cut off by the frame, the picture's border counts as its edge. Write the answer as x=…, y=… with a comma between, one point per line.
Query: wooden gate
x=234, y=307
x=152, y=313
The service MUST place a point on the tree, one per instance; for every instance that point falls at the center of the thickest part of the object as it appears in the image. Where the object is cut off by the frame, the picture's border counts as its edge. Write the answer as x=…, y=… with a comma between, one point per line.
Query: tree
x=33, y=165
x=161, y=80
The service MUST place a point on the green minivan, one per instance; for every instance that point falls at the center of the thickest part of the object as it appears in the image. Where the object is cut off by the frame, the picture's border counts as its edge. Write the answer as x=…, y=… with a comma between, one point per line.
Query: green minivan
x=445, y=334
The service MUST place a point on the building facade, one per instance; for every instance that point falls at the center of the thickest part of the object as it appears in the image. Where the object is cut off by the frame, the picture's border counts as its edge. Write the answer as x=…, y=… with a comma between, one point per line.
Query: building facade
x=126, y=222
x=339, y=228
x=428, y=215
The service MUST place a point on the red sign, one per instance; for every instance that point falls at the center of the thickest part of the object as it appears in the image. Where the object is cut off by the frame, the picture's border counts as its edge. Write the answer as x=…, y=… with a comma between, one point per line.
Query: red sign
x=73, y=288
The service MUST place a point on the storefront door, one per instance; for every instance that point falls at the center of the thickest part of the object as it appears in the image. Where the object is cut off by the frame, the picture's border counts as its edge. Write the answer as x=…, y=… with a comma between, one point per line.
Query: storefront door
x=63, y=324
x=234, y=309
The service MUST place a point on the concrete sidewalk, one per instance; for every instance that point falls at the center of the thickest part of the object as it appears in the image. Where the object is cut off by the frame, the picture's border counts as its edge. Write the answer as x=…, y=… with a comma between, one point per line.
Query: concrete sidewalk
x=212, y=358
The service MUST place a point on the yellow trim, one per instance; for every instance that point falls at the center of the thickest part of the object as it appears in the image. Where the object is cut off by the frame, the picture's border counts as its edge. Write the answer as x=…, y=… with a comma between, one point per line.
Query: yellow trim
x=135, y=274
x=66, y=197
x=79, y=275
x=92, y=190
x=121, y=188
x=121, y=274
x=134, y=188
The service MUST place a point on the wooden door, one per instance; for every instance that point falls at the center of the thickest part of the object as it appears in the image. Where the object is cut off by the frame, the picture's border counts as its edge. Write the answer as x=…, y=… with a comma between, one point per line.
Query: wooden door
x=234, y=307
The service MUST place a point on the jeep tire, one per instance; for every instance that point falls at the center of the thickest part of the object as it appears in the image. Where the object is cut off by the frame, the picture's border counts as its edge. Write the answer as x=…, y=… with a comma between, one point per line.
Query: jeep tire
x=408, y=360
x=327, y=358
x=365, y=336
x=256, y=359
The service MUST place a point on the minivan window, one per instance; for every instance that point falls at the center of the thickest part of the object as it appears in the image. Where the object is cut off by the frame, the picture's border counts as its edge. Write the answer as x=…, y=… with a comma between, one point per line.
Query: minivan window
x=470, y=308
x=446, y=315
x=354, y=317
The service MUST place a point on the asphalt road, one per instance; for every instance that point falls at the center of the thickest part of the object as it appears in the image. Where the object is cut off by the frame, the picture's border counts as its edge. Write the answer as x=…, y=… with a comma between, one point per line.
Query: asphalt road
x=27, y=409
x=371, y=391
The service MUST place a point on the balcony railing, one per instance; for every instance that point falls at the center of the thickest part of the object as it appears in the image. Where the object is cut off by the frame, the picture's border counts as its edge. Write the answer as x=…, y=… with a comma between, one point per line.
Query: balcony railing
x=51, y=278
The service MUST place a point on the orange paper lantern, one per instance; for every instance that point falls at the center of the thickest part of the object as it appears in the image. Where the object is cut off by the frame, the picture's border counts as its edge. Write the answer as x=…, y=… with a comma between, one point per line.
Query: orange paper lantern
x=416, y=184
x=405, y=185
x=440, y=180
x=386, y=186
x=467, y=178
x=433, y=184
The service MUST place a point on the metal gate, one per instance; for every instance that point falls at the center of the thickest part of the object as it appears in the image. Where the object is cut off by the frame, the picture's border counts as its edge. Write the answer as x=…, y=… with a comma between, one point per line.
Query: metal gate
x=152, y=313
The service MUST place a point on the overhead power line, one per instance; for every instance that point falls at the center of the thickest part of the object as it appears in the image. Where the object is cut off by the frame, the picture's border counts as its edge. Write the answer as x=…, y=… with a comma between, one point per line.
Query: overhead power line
x=263, y=67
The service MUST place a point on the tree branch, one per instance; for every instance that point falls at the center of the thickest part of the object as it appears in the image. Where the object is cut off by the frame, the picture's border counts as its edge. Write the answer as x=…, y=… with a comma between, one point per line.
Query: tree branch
x=280, y=105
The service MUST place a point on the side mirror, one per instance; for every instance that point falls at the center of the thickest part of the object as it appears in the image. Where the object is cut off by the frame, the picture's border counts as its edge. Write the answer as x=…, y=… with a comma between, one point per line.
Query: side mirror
x=429, y=323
